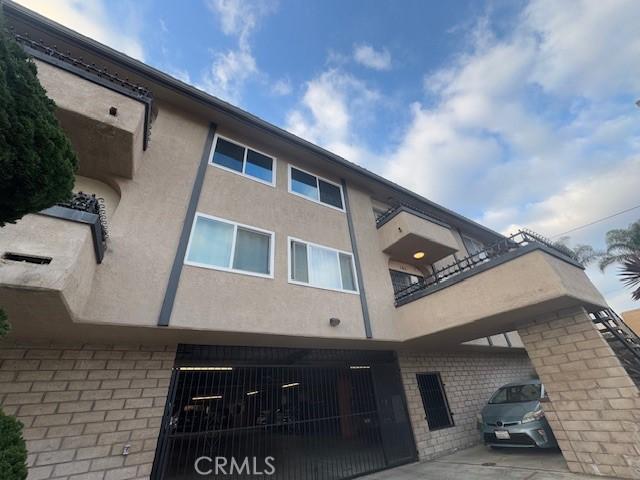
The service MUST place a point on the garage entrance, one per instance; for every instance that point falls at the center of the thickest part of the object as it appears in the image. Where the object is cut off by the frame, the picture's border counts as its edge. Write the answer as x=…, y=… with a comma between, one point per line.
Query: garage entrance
x=237, y=412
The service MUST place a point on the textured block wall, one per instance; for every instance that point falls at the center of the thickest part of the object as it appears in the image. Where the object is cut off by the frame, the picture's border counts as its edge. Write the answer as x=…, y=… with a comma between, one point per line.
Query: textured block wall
x=81, y=404
x=470, y=379
x=594, y=407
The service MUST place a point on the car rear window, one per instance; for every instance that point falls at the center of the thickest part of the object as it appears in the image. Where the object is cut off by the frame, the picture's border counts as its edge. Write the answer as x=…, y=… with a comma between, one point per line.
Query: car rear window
x=517, y=393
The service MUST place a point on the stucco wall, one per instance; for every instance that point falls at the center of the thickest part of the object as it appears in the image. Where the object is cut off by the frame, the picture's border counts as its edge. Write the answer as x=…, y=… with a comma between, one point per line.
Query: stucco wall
x=82, y=404
x=218, y=300
x=470, y=379
x=145, y=228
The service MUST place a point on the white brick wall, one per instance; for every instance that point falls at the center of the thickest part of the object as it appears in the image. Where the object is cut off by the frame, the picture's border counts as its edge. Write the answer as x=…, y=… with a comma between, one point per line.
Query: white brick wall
x=470, y=379
x=81, y=404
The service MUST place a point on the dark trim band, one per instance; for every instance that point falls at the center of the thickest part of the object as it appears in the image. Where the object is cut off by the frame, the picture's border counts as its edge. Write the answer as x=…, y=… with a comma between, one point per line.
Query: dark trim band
x=176, y=268
x=79, y=216
x=356, y=260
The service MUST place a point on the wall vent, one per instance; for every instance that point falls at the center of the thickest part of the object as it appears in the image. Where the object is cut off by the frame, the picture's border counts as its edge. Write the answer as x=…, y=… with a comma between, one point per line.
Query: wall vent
x=20, y=257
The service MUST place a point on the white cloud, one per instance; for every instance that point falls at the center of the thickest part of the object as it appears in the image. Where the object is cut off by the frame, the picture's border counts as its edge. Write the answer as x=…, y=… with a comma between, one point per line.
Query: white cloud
x=586, y=47
x=326, y=114
x=231, y=70
x=91, y=18
x=240, y=17
x=592, y=196
x=534, y=128
x=282, y=87
x=228, y=74
x=370, y=57
x=502, y=130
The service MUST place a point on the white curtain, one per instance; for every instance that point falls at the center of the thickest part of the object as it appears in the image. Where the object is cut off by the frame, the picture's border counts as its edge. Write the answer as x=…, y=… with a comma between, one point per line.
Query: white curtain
x=325, y=270
x=211, y=242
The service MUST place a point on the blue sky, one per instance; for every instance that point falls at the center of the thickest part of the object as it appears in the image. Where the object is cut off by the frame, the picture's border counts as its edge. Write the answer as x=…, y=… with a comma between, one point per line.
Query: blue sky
x=514, y=113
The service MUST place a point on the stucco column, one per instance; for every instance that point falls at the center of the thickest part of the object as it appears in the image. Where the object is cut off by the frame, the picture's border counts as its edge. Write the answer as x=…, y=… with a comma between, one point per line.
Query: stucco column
x=594, y=407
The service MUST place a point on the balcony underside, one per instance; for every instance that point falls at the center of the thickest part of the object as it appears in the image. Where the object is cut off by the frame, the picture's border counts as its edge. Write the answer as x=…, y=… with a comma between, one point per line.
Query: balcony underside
x=404, y=232
x=497, y=298
x=106, y=128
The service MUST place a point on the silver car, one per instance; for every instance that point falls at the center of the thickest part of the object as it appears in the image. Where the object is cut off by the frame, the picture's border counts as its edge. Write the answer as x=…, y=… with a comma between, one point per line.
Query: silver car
x=514, y=417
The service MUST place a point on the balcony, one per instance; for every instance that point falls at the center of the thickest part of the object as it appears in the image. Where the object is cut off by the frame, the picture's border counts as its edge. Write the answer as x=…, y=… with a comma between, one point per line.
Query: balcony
x=106, y=118
x=405, y=233
x=494, y=291
x=48, y=260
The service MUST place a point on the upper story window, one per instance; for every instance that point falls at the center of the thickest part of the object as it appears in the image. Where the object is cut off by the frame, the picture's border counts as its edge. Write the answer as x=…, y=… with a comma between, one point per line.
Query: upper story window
x=229, y=246
x=473, y=246
x=240, y=159
x=322, y=267
x=314, y=188
x=401, y=280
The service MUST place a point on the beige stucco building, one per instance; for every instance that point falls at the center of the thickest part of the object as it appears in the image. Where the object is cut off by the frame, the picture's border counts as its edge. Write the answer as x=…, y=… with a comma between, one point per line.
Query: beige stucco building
x=238, y=290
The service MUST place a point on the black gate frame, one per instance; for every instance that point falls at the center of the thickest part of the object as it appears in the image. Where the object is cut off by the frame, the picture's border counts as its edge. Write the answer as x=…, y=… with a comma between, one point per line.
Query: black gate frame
x=241, y=356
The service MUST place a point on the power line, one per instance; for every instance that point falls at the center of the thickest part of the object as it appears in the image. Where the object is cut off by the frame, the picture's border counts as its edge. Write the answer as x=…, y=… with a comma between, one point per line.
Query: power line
x=596, y=221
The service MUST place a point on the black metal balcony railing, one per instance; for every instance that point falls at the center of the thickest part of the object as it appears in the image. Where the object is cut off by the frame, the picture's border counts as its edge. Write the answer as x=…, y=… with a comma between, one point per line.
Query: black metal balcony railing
x=88, y=202
x=87, y=209
x=403, y=207
x=493, y=253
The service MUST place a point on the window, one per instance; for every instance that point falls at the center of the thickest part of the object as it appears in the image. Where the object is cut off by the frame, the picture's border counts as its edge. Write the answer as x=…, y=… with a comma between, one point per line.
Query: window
x=474, y=247
x=321, y=267
x=528, y=392
x=315, y=188
x=434, y=401
x=401, y=280
x=243, y=160
x=225, y=245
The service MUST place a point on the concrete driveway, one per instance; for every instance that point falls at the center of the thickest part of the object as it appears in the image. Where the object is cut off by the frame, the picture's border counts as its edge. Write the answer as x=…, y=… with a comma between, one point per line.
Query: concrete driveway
x=482, y=463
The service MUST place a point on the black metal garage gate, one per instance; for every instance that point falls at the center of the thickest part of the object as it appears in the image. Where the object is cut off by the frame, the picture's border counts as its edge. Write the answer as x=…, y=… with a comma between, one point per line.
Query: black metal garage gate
x=239, y=412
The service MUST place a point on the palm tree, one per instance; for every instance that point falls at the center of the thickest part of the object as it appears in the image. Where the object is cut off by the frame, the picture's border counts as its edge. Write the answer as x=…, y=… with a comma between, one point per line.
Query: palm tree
x=621, y=243
x=585, y=254
x=630, y=273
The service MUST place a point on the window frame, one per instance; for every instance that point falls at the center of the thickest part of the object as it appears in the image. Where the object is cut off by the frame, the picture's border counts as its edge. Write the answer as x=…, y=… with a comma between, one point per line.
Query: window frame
x=244, y=160
x=230, y=269
x=445, y=399
x=318, y=177
x=337, y=252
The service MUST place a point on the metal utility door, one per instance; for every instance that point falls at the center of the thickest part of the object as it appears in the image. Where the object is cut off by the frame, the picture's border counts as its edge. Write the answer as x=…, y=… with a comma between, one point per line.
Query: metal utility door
x=395, y=427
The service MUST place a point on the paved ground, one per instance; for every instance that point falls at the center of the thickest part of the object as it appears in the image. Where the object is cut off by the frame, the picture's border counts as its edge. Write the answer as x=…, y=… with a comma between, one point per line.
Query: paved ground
x=482, y=463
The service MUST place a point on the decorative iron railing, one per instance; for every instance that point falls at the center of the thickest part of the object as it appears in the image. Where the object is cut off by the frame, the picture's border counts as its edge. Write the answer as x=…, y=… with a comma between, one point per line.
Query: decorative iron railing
x=52, y=51
x=88, y=202
x=490, y=254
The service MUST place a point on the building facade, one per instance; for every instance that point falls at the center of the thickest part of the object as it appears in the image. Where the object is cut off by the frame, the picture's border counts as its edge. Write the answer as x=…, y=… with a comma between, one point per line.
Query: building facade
x=219, y=290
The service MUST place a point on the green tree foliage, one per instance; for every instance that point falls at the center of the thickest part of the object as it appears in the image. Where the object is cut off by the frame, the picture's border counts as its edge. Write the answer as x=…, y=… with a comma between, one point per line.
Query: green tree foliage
x=630, y=273
x=623, y=248
x=585, y=254
x=4, y=324
x=621, y=243
x=37, y=162
x=13, y=451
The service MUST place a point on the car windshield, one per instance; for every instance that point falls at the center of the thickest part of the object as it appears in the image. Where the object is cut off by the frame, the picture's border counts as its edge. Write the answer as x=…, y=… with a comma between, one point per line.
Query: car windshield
x=517, y=393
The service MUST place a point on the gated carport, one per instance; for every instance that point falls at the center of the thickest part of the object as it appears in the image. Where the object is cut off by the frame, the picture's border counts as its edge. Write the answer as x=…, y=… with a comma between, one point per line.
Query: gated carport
x=295, y=413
